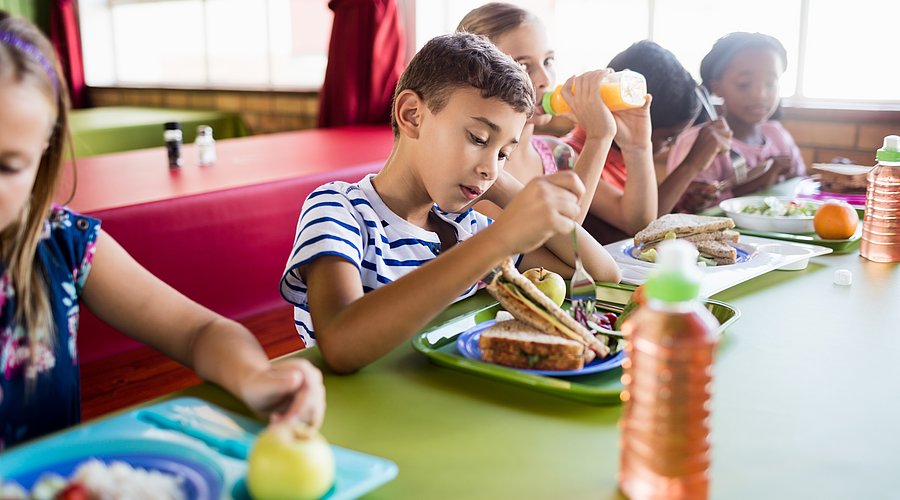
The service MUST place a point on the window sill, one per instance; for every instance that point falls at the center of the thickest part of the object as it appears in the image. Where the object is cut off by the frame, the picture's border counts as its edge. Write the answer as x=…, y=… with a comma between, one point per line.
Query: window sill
x=841, y=111
x=174, y=88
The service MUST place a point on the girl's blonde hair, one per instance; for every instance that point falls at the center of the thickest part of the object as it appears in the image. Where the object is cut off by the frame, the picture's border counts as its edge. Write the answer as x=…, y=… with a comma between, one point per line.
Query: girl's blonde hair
x=32, y=61
x=494, y=19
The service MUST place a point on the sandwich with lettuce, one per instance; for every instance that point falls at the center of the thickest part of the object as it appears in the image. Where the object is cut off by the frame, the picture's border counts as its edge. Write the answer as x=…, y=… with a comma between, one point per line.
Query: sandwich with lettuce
x=713, y=237
x=542, y=335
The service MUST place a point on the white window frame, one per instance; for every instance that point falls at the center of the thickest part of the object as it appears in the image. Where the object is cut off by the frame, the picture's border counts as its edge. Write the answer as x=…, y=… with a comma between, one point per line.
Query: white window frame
x=796, y=99
x=207, y=84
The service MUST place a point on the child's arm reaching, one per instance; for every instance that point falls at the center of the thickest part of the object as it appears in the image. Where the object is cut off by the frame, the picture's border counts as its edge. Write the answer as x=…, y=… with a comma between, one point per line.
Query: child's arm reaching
x=557, y=254
x=634, y=208
x=354, y=329
x=128, y=297
x=713, y=139
x=591, y=114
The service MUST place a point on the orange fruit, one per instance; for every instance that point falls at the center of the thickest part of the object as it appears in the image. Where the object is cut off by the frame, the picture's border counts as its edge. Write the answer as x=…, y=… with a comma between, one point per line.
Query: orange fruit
x=835, y=220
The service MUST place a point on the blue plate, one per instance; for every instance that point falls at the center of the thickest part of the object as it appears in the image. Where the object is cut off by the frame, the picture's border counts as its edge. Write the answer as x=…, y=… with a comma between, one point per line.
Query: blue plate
x=467, y=344
x=208, y=472
x=742, y=254
x=198, y=480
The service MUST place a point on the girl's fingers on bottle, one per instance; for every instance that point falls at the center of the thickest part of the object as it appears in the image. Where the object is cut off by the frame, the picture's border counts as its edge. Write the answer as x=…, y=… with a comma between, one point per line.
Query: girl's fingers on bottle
x=567, y=89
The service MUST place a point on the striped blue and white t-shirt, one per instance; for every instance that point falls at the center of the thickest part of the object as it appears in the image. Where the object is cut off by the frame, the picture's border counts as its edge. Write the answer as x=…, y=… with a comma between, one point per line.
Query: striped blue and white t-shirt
x=351, y=221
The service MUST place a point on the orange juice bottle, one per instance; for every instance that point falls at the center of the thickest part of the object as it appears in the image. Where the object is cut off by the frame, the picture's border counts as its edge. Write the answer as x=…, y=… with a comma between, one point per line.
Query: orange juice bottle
x=620, y=90
x=669, y=343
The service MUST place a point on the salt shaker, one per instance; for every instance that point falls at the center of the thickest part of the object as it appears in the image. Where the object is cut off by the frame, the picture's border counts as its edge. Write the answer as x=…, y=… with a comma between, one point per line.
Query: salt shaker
x=205, y=145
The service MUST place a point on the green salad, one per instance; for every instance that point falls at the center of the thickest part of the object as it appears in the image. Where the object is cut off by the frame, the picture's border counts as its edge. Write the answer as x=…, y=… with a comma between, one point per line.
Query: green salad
x=776, y=208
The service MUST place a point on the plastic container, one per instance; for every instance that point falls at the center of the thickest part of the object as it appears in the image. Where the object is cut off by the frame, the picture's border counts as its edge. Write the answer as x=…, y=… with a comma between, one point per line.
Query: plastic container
x=205, y=146
x=620, y=90
x=670, y=342
x=173, y=137
x=881, y=222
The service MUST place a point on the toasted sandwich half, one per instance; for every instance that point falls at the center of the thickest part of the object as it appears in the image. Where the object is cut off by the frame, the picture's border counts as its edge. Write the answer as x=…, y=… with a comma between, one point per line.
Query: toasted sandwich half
x=521, y=298
x=711, y=235
x=519, y=345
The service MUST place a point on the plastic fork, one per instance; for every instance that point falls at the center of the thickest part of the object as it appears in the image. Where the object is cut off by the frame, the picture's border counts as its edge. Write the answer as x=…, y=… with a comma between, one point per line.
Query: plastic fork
x=582, y=286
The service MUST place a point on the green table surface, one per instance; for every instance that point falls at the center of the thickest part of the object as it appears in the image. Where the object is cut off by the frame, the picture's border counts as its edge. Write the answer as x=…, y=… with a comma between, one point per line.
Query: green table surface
x=805, y=405
x=97, y=131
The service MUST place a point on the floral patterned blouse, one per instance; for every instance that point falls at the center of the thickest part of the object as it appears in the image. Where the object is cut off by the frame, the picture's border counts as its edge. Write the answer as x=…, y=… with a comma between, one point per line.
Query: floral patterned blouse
x=43, y=396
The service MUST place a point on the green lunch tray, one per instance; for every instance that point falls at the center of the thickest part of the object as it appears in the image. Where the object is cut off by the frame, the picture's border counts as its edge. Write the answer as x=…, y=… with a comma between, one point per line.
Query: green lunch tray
x=438, y=343
x=839, y=246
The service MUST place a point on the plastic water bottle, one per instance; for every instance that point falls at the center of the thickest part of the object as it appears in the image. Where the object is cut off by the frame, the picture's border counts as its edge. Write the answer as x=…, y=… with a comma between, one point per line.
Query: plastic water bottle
x=881, y=222
x=620, y=90
x=670, y=342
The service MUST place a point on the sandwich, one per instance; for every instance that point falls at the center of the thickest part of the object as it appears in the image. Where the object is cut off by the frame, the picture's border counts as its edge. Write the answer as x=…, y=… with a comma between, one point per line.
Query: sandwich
x=531, y=307
x=519, y=345
x=712, y=236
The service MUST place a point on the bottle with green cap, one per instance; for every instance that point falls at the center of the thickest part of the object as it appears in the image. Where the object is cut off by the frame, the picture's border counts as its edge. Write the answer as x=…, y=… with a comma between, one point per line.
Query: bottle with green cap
x=670, y=343
x=624, y=89
x=881, y=222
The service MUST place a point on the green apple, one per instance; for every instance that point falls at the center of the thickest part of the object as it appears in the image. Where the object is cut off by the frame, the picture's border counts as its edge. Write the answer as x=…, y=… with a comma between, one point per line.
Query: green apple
x=552, y=284
x=290, y=461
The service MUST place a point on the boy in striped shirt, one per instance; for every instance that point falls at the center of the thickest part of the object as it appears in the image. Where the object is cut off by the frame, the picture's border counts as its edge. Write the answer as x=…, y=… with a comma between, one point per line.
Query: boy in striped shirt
x=374, y=261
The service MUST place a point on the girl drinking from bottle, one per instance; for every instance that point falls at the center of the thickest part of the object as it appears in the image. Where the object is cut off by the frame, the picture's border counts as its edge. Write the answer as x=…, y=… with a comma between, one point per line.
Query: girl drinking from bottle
x=521, y=34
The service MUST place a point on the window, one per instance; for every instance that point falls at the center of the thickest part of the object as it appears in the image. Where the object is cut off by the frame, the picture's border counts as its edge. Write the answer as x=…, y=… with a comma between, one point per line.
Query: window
x=834, y=52
x=851, y=53
x=205, y=43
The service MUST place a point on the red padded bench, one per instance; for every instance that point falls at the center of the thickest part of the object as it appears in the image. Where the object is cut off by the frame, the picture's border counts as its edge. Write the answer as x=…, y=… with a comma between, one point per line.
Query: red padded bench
x=219, y=234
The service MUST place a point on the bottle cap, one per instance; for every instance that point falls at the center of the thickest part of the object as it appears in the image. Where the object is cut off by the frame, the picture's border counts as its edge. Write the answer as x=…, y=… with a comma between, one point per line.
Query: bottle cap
x=545, y=103
x=891, y=149
x=204, y=131
x=677, y=278
x=172, y=126
x=843, y=277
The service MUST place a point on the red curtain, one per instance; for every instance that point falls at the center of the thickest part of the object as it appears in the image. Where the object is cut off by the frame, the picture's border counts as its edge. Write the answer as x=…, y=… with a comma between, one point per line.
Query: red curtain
x=365, y=59
x=67, y=42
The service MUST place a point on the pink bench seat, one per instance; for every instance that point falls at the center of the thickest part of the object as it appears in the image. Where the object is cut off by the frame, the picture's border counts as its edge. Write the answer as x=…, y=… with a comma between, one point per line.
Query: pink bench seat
x=219, y=234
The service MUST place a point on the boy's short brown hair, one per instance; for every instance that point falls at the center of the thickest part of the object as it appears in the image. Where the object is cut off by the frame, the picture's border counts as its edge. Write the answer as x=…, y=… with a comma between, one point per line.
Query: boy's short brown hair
x=462, y=60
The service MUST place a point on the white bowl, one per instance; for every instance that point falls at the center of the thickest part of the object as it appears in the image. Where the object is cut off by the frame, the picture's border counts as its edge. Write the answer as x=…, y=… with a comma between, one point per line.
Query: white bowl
x=773, y=223
x=788, y=251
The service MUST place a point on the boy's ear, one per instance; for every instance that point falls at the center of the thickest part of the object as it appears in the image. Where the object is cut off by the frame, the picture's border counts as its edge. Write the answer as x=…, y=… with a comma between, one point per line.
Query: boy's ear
x=715, y=86
x=409, y=108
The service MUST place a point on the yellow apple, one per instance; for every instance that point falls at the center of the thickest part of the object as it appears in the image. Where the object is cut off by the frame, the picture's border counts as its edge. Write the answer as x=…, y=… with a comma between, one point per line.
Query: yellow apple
x=552, y=284
x=290, y=461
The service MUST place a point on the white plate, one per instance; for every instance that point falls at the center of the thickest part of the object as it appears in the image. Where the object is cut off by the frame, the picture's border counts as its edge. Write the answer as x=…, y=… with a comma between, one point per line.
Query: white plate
x=718, y=278
x=843, y=168
x=773, y=223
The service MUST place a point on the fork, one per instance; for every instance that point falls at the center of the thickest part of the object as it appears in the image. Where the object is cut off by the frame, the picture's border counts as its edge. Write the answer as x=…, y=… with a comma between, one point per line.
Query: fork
x=738, y=162
x=582, y=286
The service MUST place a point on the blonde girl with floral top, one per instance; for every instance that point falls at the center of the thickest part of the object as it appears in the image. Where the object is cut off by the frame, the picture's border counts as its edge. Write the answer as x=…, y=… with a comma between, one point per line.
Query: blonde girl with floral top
x=51, y=259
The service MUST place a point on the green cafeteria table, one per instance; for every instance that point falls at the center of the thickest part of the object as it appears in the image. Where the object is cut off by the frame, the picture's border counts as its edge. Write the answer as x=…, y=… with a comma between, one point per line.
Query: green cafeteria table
x=97, y=131
x=806, y=404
